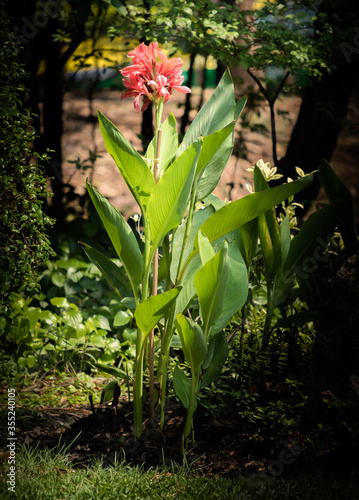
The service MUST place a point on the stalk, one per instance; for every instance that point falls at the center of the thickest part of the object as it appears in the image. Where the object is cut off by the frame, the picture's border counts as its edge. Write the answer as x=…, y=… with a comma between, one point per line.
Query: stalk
x=162, y=371
x=269, y=316
x=154, y=291
x=191, y=408
x=167, y=336
x=140, y=351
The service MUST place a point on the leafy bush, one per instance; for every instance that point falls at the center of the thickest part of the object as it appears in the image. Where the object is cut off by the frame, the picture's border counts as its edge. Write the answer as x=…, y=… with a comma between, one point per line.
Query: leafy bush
x=23, y=186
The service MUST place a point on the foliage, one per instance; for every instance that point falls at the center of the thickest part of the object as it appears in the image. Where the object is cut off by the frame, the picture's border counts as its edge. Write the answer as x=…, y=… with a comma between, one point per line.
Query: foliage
x=74, y=320
x=25, y=244
x=200, y=251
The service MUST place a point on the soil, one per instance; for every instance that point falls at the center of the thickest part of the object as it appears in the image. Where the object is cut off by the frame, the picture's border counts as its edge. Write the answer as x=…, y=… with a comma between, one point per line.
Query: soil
x=221, y=448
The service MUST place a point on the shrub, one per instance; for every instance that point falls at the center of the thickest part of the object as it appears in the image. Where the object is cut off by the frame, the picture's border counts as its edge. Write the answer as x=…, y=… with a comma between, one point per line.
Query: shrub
x=23, y=185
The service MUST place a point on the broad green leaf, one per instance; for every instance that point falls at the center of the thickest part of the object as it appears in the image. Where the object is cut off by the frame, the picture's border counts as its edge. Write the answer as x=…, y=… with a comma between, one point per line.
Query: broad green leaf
x=111, y=370
x=206, y=250
x=169, y=144
x=211, y=144
x=21, y=327
x=219, y=147
x=336, y=190
x=170, y=197
x=58, y=278
x=216, y=113
x=248, y=240
x=266, y=244
x=188, y=289
x=114, y=275
x=109, y=391
x=193, y=342
x=121, y=235
x=122, y=318
x=211, y=284
x=239, y=212
x=72, y=317
x=133, y=168
x=33, y=315
x=285, y=237
x=198, y=219
x=216, y=357
x=240, y=106
x=182, y=386
x=100, y=321
x=149, y=312
x=236, y=292
x=60, y=302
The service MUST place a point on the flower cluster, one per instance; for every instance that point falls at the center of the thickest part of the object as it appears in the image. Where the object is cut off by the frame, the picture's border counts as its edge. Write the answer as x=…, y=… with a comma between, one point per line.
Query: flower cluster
x=152, y=76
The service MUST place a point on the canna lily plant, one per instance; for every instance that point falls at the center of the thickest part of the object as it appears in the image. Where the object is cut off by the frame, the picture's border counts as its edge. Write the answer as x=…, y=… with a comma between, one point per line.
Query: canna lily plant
x=191, y=240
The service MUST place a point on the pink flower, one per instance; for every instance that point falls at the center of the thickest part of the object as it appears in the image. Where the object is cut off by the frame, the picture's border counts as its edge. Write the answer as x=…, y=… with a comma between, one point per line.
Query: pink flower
x=152, y=76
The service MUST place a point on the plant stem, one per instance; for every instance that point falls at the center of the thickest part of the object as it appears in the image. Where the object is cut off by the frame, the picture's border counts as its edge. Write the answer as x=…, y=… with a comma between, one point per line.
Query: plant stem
x=269, y=316
x=138, y=387
x=241, y=348
x=154, y=291
x=162, y=372
x=191, y=407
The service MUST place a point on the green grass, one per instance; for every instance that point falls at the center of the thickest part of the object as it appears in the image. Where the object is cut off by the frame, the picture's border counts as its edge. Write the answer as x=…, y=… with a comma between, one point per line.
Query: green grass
x=49, y=475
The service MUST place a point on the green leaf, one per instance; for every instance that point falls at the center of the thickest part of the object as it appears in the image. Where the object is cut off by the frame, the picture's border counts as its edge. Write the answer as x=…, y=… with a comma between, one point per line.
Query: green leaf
x=216, y=151
x=170, y=197
x=114, y=275
x=109, y=391
x=193, y=342
x=240, y=106
x=60, y=302
x=198, y=219
x=101, y=321
x=182, y=386
x=121, y=235
x=168, y=147
x=216, y=357
x=21, y=328
x=111, y=370
x=285, y=237
x=238, y=213
x=58, y=279
x=211, y=284
x=72, y=317
x=149, y=312
x=236, y=292
x=122, y=318
x=206, y=250
x=188, y=289
x=336, y=190
x=133, y=168
x=216, y=113
x=248, y=240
